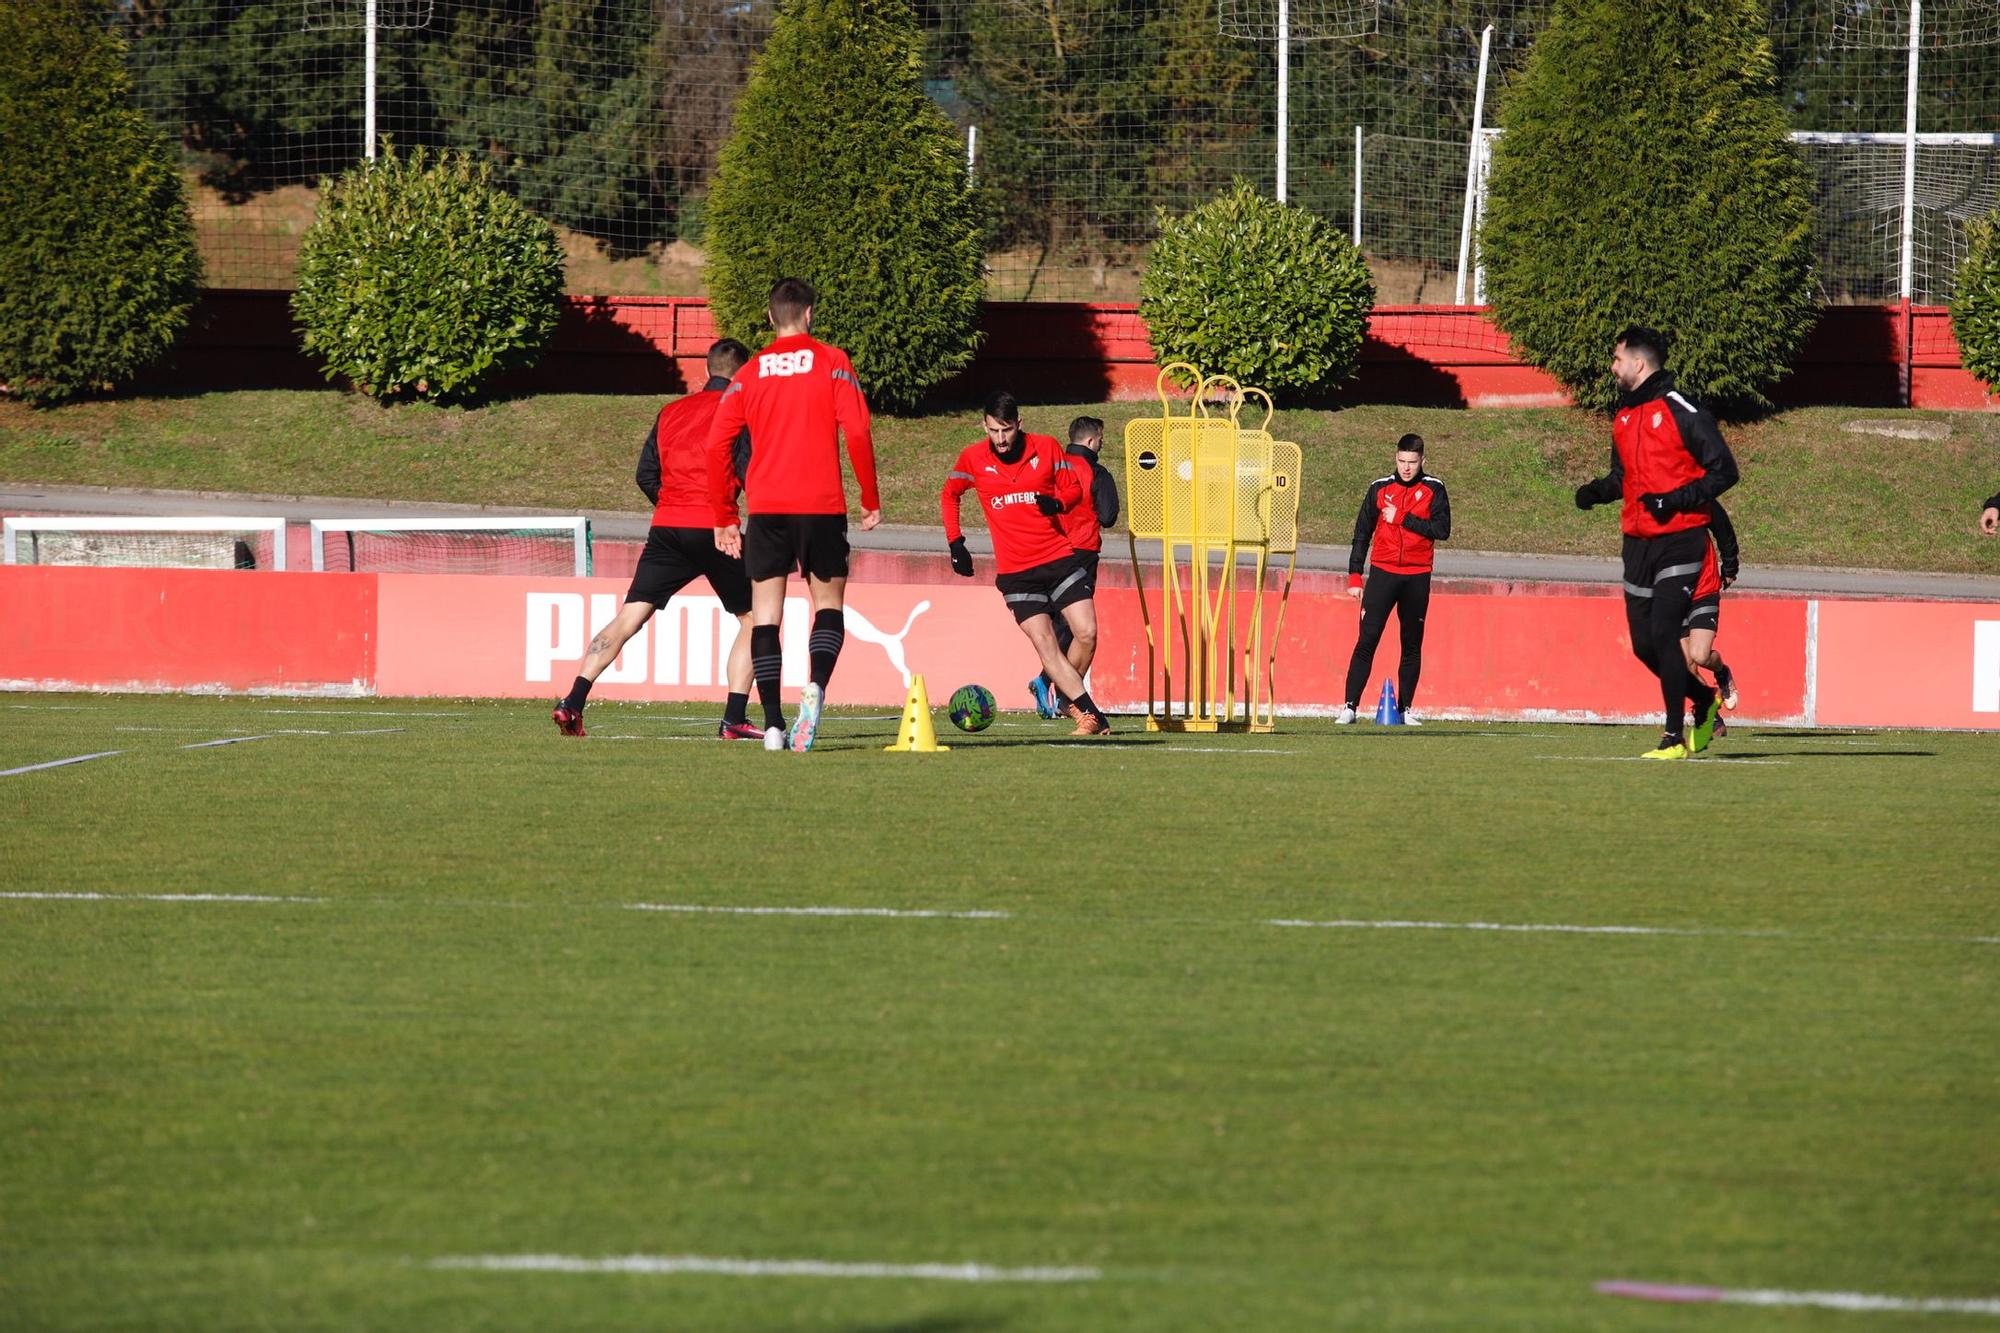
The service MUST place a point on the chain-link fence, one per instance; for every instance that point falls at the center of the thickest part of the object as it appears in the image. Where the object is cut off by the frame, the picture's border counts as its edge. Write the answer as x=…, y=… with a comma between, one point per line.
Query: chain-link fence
x=1083, y=118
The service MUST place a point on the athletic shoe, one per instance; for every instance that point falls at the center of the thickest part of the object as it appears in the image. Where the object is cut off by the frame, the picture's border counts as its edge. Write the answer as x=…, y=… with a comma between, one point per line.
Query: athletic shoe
x=1089, y=724
x=1045, y=698
x=1721, y=728
x=774, y=738
x=1671, y=747
x=738, y=731
x=1410, y=720
x=805, y=727
x=569, y=721
x=1725, y=684
x=1704, y=727
x=1345, y=716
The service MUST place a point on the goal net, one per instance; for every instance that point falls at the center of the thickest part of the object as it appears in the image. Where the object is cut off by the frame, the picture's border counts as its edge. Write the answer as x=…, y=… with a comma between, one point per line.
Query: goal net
x=146, y=543
x=1858, y=211
x=557, y=546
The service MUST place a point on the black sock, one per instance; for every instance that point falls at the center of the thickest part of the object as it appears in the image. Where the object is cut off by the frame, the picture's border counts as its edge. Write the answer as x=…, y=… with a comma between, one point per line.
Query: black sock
x=737, y=710
x=829, y=632
x=576, y=696
x=767, y=663
x=1085, y=702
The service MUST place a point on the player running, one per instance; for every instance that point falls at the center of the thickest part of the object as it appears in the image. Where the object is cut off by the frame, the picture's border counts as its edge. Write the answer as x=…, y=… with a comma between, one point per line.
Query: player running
x=680, y=547
x=1704, y=616
x=1668, y=461
x=1026, y=484
x=1084, y=525
x=1402, y=519
x=798, y=396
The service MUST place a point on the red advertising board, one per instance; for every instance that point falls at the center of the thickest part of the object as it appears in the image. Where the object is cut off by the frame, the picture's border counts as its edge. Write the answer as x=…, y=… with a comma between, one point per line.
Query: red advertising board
x=1908, y=664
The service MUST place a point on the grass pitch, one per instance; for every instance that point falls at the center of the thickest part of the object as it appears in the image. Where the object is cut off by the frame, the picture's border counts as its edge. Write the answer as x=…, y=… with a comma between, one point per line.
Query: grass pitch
x=466, y=1039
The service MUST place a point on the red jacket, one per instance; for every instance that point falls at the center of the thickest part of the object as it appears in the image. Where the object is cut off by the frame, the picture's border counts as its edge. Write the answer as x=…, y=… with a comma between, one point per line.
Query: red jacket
x=1023, y=536
x=792, y=395
x=1085, y=524
x=1667, y=462
x=1405, y=544
x=673, y=462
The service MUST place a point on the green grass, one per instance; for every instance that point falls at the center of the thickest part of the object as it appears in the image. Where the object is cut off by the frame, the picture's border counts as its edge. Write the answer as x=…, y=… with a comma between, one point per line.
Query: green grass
x=270, y=1115
x=1812, y=494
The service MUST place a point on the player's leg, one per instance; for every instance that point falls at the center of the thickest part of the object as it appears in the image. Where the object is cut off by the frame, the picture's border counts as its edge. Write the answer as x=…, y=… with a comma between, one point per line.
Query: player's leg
x=1378, y=594
x=663, y=570
x=822, y=556
x=730, y=581
x=1413, y=604
x=768, y=559
x=1075, y=624
x=1040, y=631
x=829, y=629
x=1673, y=596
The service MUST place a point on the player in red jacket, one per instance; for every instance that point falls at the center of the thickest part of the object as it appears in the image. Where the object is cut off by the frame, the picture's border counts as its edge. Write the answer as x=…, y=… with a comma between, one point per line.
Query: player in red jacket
x=1668, y=461
x=1084, y=525
x=1403, y=516
x=798, y=396
x=680, y=548
x=1026, y=484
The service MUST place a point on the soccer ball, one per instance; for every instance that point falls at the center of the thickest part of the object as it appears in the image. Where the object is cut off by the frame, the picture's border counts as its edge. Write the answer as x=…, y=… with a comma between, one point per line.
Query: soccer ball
x=972, y=708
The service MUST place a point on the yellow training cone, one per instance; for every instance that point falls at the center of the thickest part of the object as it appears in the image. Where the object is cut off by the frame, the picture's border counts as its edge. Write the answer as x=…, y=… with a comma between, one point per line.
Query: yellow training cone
x=916, y=735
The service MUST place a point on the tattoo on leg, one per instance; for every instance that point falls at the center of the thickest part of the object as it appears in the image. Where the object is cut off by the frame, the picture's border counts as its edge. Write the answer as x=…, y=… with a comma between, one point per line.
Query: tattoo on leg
x=602, y=643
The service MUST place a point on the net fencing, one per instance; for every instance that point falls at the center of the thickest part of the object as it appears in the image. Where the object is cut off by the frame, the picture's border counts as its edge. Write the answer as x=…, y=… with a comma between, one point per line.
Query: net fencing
x=606, y=117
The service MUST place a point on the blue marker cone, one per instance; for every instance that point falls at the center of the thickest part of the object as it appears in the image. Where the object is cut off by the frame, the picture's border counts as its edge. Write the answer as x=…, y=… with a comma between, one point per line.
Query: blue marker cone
x=1386, y=712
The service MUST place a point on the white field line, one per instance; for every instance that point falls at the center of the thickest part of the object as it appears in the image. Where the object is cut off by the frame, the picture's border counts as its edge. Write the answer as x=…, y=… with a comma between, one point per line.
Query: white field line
x=226, y=740
x=162, y=897
x=60, y=708
x=695, y=1263
x=1531, y=928
x=1826, y=1300
x=912, y=913
x=57, y=763
x=351, y=712
x=1641, y=759
x=371, y=731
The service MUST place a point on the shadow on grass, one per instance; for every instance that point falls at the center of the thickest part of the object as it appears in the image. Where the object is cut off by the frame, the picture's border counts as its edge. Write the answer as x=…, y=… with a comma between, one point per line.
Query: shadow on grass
x=1824, y=754
x=939, y=1323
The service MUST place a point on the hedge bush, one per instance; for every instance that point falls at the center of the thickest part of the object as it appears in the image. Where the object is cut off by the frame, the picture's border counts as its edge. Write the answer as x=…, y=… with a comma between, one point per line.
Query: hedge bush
x=841, y=171
x=98, y=267
x=1268, y=294
x=420, y=278
x=1975, y=301
x=1646, y=177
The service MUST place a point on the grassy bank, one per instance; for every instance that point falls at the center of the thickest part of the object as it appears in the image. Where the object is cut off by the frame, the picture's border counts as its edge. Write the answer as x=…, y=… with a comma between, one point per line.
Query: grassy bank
x=1812, y=492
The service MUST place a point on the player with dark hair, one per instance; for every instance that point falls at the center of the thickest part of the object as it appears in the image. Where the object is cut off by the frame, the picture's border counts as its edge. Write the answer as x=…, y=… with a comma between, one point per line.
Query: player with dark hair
x=1084, y=526
x=1027, y=484
x=680, y=546
x=1989, y=517
x=1668, y=462
x=1704, y=615
x=1403, y=517
x=798, y=396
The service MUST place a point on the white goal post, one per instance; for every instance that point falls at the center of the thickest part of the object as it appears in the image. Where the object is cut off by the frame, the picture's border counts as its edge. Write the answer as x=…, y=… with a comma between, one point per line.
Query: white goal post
x=202, y=542
x=505, y=544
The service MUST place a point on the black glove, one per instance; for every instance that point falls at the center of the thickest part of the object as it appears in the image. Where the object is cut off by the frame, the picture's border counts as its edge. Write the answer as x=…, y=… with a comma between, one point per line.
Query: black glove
x=1657, y=504
x=1584, y=499
x=961, y=558
x=1048, y=504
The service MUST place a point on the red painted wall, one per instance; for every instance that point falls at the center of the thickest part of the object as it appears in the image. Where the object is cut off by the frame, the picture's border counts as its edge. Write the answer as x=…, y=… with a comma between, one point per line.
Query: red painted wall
x=1424, y=355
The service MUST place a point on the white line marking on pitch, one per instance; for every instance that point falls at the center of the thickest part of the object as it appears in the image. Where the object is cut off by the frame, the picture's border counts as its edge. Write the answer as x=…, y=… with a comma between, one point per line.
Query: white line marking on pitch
x=1529, y=928
x=60, y=708
x=1641, y=759
x=350, y=712
x=57, y=763
x=1828, y=1300
x=371, y=731
x=817, y=911
x=695, y=1263
x=162, y=897
x=226, y=740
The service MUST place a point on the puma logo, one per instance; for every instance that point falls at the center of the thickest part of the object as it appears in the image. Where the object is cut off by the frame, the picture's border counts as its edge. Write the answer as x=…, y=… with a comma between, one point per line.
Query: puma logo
x=864, y=629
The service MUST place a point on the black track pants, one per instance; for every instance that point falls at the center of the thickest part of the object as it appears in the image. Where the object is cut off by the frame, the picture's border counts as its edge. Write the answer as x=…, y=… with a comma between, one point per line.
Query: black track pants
x=1410, y=595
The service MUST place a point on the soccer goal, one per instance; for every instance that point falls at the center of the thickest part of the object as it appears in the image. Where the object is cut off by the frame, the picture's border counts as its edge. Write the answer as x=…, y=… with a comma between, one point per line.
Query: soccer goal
x=538, y=545
x=146, y=543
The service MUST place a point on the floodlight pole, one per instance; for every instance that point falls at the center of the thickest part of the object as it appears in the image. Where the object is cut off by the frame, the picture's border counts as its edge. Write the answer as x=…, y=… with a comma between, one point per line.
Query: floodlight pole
x=1472, y=164
x=1284, y=90
x=1910, y=195
x=971, y=152
x=368, y=96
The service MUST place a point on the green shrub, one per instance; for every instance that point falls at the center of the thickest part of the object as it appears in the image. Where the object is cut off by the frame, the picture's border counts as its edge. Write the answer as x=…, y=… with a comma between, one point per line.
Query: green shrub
x=1268, y=294
x=839, y=170
x=1646, y=177
x=1975, y=301
x=421, y=278
x=98, y=267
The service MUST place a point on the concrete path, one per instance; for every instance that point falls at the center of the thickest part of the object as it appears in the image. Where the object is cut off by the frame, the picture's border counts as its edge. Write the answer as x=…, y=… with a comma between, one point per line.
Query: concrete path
x=17, y=498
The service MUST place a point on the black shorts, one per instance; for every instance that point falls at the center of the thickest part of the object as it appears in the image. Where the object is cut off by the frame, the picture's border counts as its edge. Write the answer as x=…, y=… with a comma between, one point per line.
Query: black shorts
x=776, y=544
x=1706, y=613
x=1674, y=561
x=676, y=557
x=1049, y=588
